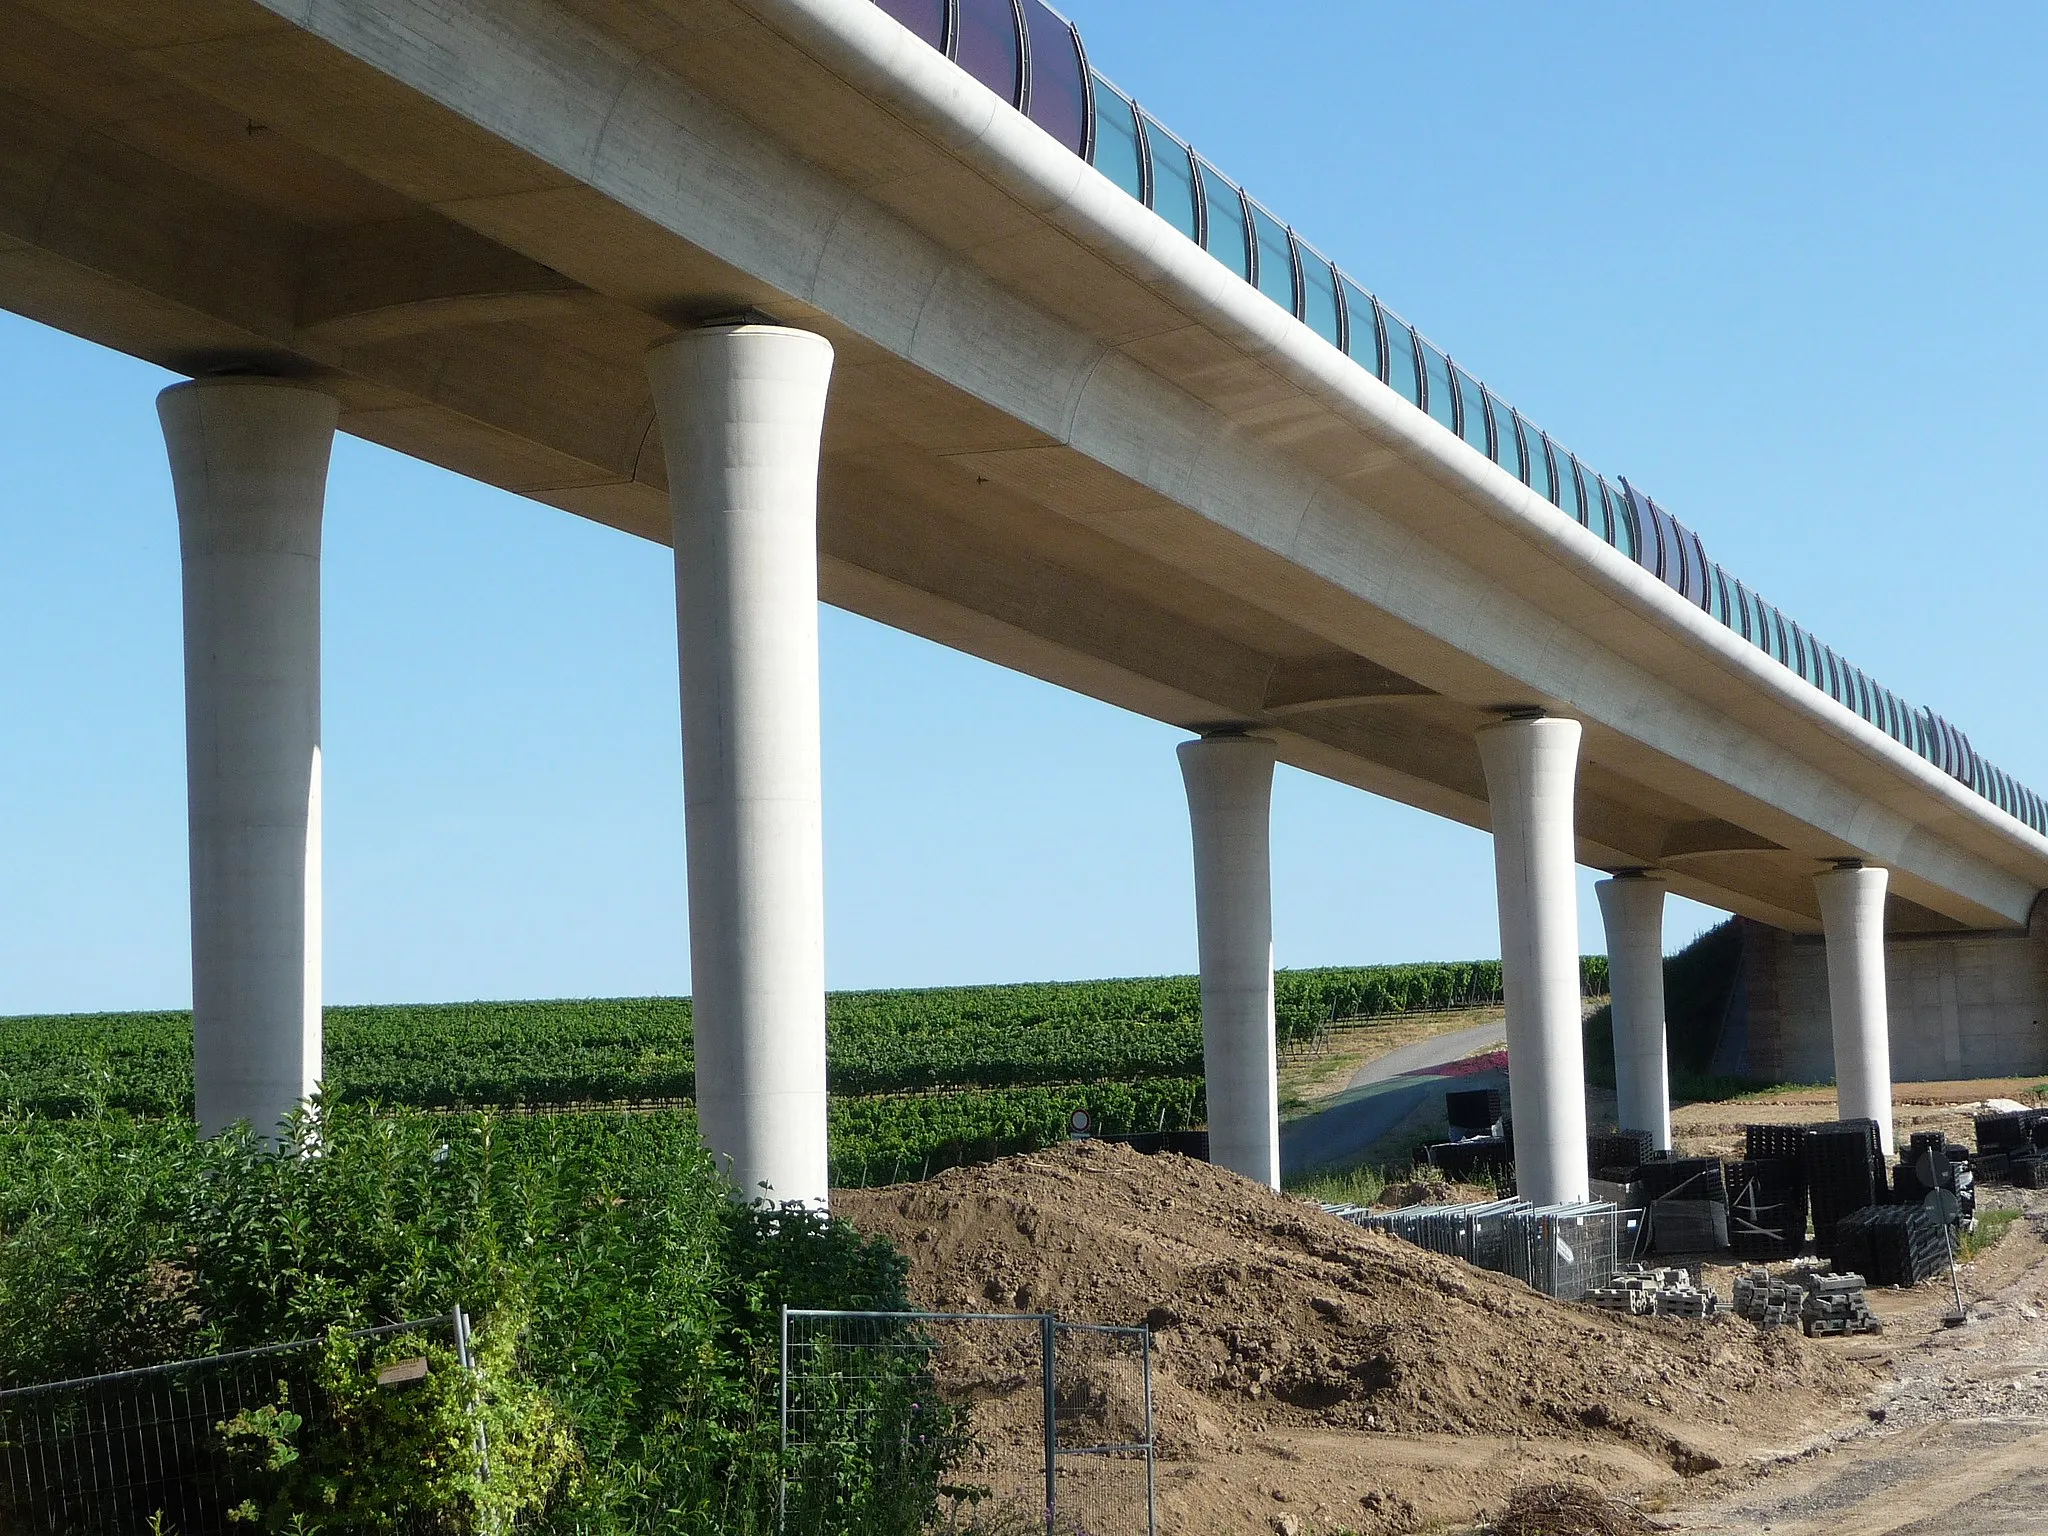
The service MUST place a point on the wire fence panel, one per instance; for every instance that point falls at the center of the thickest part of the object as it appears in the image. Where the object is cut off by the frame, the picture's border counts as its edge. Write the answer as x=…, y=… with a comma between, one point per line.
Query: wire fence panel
x=898, y=1422
x=135, y=1452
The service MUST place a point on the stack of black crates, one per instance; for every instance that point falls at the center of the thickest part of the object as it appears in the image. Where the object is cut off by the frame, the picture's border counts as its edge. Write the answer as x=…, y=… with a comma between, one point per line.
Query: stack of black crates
x=1845, y=1173
x=1767, y=1194
x=1892, y=1244
x=2011, y=1148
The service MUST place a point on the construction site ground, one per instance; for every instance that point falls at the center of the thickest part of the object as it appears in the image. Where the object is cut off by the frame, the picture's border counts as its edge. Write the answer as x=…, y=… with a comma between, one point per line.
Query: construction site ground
x=1310, y=1377
x=1313, y=1378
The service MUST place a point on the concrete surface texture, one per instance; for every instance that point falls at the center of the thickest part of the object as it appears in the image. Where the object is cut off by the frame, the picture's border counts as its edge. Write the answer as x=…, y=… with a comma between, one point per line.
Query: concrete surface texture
x=741, y=410
x=1068, y=440
x=1852, y=907
x=1229, y=782
x=249, y=468
x=1531, y=769
x=1961, y=1005
x=1632, y=909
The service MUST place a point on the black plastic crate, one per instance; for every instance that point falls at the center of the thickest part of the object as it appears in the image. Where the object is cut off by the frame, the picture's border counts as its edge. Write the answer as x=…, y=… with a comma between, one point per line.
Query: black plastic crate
x=1688, y=1178
x=1617, y=1149
x=1766, y=1208
x=1473, y=1109
x=1476, y=1157
x=1992, y=1167
x=2010, y=1131
x=2029, y=1172
x=1892, y=1244
x=1845, y=1172
x=1772, y=1142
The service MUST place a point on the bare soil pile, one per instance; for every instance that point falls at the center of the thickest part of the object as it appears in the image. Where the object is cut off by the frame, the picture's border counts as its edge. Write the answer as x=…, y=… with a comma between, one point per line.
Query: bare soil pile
x=1273, y=1319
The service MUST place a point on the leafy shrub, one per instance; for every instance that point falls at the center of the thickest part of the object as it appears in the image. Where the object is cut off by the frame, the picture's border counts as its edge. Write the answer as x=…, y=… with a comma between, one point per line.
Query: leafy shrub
x=625, y=1306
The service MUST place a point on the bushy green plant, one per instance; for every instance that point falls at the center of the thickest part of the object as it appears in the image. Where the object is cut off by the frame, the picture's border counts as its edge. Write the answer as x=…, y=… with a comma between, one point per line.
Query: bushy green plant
x=637, y=1305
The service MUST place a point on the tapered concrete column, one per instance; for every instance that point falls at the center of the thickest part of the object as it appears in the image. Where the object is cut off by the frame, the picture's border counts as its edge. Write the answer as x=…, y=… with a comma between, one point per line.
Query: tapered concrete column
x=1852, y=915
x=1632, y=907
x=1531, y=778
x=741, y=409
x=249, y=466
x=1230, y=804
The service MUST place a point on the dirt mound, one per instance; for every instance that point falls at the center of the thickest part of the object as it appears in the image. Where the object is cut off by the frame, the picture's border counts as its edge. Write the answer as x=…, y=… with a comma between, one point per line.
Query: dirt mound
x=1273, y=1319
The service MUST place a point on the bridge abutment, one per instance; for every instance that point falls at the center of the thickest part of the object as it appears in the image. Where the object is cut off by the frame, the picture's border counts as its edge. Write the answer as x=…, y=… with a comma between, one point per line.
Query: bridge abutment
x=1632, y=909
x=249, y=463
x=1230, y=796
x=741, y=411
x=1531, y=770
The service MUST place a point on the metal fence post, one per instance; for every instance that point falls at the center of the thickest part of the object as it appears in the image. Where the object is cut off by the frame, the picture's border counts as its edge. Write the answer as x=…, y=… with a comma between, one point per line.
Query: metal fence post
x=1151, y=1485
x=1052, y=1428
x=782, y=1471
x=467, y=1357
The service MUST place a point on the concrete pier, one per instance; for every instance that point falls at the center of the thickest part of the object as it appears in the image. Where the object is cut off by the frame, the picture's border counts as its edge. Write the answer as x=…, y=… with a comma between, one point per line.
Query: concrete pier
x=1632, y=908
x=1230, y=798
x=1531, y=768
x=249, y=466
x=741, y=410
x=1852, y=916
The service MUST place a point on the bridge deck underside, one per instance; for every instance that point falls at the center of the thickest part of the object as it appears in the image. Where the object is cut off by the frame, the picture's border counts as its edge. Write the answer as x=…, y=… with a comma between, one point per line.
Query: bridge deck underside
x=206, y=186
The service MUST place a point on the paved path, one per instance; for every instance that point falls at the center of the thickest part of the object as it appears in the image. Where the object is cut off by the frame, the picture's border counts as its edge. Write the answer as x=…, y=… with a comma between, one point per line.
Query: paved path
x=1387, y=1090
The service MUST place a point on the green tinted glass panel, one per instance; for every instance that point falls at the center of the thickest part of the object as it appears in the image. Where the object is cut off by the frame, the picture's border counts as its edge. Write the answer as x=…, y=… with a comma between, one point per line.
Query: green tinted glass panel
x=1507, y=447
x=1362, y=329
x=1723, y=609
x=1173, y=180
x=1401, y=370
x=1319, y=300
x=1276, y=259
x=1472, y=410
x=1117, y=153
x=1223, y=231
x=1541, y=475
x=1599, y=514
x=1437, y=369
x=1624, y=535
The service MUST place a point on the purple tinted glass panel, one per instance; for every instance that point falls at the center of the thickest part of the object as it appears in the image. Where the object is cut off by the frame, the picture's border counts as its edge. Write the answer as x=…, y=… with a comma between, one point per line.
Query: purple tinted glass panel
x=988, y=45
x=927, y=18
x=1059, y=102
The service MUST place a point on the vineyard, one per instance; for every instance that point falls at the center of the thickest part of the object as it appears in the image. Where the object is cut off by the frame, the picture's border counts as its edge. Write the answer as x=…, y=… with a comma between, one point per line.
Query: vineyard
x=921, y=1079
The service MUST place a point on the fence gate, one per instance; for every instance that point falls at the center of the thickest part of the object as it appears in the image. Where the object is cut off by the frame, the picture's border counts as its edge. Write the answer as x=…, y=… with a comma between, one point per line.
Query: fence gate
x=130, y=1452
x=1004, y=1411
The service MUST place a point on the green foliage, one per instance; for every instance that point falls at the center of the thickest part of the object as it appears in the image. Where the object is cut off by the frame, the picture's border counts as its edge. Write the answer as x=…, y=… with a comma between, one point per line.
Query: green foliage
x=1698, y=983
x=883, y=1141
x=639, y=1049
x=625, y=1306
x=1991, y=1226
x=473, y=1453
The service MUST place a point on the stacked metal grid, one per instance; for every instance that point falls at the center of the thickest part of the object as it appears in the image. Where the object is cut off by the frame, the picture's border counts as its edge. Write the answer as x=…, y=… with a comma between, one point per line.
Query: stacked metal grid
x=1561, y=1250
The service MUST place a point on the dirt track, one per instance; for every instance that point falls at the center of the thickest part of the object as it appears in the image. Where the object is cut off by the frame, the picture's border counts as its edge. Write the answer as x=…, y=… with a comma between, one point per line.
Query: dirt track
x=1954, y=1444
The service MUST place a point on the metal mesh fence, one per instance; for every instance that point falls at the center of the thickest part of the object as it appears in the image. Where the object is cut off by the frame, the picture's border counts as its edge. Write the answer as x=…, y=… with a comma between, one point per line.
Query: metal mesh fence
x=963, y=1422
x=137, y=1452
x=1561, y=1250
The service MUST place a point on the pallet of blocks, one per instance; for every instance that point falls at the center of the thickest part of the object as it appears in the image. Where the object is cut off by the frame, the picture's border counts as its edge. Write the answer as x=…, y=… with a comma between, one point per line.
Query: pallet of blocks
x=1641, y=1291
x=1768, y=1300
x=1835, y=1304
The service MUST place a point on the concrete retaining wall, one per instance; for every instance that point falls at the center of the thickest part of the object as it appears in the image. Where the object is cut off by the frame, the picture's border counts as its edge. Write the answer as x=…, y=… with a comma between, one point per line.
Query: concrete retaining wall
x=1962, y=1005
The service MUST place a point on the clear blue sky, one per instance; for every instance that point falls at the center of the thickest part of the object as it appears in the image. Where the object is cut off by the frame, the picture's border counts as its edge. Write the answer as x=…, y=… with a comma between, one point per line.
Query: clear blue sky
x=1779, y=265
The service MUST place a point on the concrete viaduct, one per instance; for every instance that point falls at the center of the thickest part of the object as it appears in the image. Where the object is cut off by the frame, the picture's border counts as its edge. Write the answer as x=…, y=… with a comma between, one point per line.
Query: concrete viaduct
x=904, y=307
